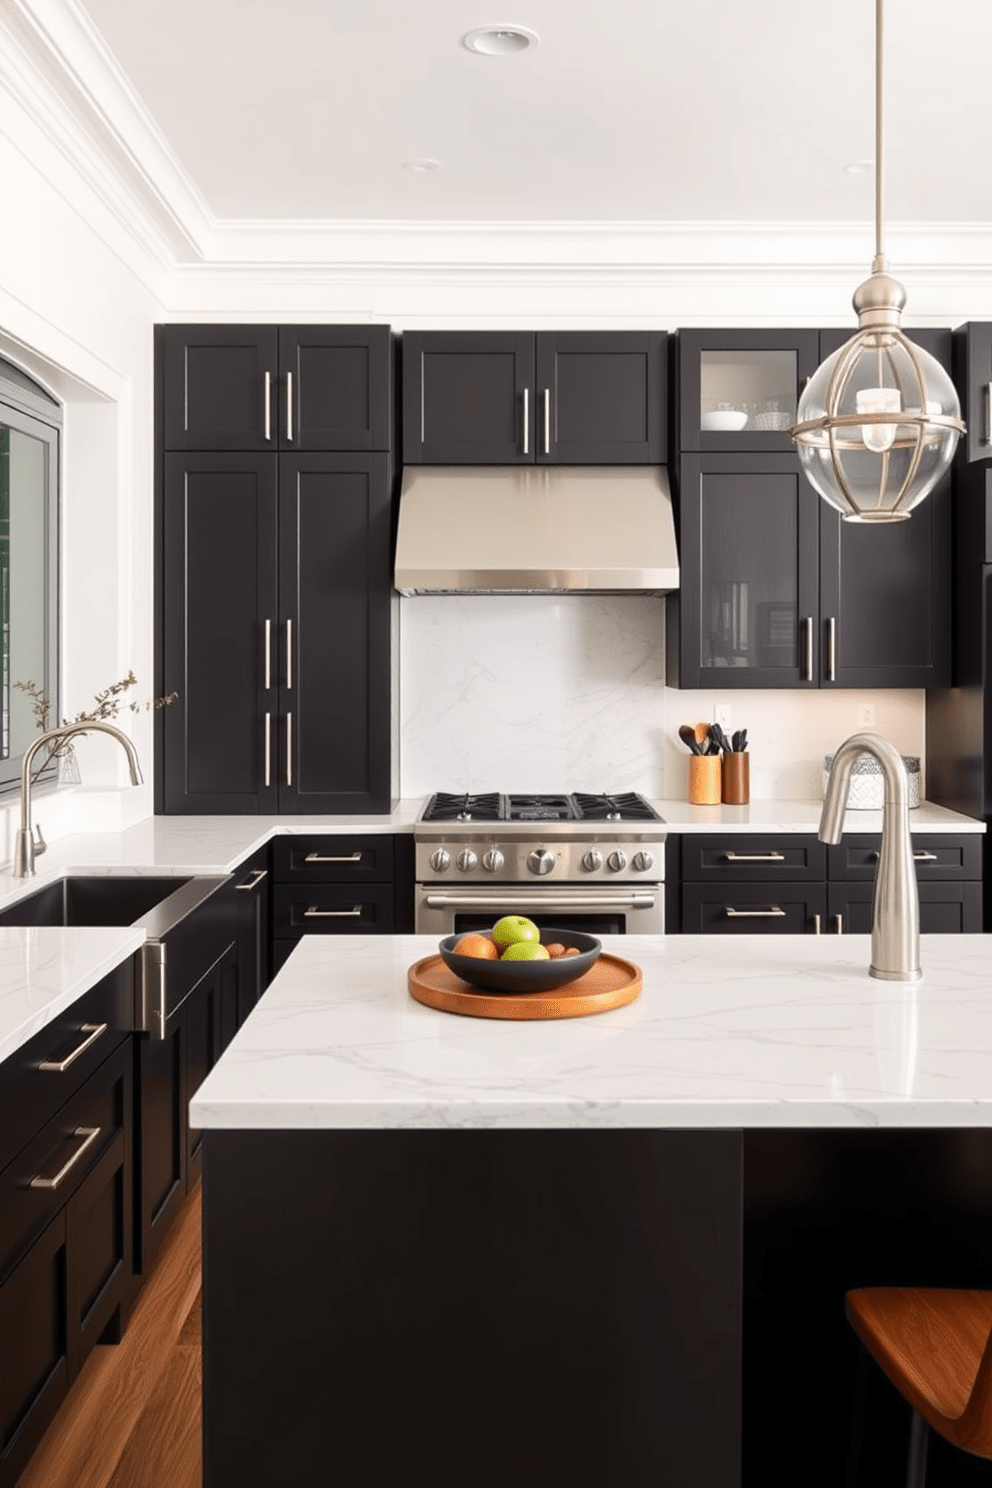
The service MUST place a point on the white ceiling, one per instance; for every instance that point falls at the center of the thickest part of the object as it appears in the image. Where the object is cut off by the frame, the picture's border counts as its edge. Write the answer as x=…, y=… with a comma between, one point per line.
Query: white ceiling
x=646, y=110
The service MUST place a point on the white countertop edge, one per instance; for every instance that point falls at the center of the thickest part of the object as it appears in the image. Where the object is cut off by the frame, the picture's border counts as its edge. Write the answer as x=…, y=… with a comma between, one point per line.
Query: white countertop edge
x=634, y=1115
x=43, y=971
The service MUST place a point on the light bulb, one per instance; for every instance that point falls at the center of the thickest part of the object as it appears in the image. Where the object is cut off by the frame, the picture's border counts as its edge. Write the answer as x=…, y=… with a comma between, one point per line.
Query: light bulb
x=879, y=437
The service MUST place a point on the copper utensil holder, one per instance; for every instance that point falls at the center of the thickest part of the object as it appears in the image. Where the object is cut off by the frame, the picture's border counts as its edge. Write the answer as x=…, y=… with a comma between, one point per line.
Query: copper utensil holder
x=704, y=779
x=736, y=778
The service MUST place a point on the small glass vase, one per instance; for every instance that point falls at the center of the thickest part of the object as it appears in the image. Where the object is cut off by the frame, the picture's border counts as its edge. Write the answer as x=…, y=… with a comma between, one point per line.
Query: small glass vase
x=68, y=772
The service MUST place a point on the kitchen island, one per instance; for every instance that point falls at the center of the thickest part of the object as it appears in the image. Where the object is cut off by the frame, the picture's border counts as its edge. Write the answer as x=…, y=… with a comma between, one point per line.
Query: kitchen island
x=586, y=1251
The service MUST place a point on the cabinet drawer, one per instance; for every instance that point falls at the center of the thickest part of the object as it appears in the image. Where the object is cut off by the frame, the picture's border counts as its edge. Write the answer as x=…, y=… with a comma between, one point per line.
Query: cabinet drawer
x=42, y=1075
x=945, y=908
x=332, y=909
x=937, y=857
x=50, y=1169
x=753, y=909
x=753, y=859
x=333, y=859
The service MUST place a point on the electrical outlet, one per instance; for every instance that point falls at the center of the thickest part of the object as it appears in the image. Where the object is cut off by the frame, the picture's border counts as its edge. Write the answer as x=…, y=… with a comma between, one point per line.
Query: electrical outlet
x=723, y=715
x=866, y=715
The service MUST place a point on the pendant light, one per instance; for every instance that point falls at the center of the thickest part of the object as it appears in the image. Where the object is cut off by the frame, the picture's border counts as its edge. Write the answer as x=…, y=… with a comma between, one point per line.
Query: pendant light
x=879, y=420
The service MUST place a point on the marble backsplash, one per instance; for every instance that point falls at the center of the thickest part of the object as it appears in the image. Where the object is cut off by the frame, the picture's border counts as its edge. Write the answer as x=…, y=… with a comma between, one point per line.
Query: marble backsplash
x=568, y=692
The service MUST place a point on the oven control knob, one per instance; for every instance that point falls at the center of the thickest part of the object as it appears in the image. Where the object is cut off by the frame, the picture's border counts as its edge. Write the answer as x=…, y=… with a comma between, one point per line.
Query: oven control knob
x=467, y=861
x=643, y=861
x=616, y=862
x=493, y=860
x=592, y=860
x=541, y=861
x=440, y=861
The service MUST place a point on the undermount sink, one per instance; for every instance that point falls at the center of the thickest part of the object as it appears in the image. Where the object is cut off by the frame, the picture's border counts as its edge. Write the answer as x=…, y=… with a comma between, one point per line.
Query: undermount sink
x=95, y=900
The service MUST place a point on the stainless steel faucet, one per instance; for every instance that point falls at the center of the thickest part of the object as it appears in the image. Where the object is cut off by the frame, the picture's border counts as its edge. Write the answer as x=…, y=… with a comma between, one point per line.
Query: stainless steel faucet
x=895, y=905
x=27, y=847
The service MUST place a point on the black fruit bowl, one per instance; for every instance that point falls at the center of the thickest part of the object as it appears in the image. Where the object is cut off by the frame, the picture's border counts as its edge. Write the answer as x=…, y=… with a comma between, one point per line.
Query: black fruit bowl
x=524, y=976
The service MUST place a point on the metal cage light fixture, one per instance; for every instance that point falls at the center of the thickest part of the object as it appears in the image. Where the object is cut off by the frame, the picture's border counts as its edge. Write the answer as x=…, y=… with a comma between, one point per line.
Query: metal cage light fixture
x=879, y=420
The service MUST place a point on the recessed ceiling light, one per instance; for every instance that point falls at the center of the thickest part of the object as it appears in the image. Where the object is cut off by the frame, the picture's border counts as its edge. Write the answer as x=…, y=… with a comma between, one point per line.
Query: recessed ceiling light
x=859, y=167
x=421, y=166
x=500, y=41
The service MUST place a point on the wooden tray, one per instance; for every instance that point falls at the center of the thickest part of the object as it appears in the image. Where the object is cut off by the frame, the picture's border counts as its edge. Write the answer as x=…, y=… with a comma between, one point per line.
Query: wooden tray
x=609, y=983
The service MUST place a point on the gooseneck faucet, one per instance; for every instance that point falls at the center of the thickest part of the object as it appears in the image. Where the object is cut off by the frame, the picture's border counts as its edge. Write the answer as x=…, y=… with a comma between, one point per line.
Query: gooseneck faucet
x=27, y=847
x=895, y=905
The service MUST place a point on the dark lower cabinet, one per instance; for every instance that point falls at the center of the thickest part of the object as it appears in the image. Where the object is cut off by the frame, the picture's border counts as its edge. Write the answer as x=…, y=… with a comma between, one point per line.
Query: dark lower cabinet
x=341, y=885
x=792, y=884
x=66, y=1228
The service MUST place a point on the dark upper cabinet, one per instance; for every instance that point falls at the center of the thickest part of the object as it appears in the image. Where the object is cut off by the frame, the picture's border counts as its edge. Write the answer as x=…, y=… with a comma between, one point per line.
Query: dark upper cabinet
x=276, y=633
x=520, y=398
x=777, y=590
x=738, y=390
x=276, y=387
x=973, y=379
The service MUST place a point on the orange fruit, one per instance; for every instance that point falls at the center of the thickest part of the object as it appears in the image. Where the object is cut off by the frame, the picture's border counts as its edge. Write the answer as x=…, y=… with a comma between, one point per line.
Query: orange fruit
x=477, y=945
x=555, y=949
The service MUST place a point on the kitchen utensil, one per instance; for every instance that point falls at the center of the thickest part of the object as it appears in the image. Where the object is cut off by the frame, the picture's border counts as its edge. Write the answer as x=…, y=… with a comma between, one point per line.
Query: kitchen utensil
x=735, y=742
x=524, y=976
x=688, y=736
x=743, y=739
x=702, y=732
x=719, y=737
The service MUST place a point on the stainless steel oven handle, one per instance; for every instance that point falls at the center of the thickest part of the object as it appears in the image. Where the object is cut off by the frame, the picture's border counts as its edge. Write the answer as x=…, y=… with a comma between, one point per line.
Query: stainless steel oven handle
x=540, y=901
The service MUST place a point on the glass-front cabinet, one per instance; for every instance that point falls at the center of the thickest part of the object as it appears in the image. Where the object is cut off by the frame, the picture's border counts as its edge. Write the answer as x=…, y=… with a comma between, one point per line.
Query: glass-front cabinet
x=738, y=390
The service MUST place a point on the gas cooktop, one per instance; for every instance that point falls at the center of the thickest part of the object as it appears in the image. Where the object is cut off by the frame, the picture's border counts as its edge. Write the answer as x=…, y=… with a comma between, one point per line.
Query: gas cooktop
x=492, y=806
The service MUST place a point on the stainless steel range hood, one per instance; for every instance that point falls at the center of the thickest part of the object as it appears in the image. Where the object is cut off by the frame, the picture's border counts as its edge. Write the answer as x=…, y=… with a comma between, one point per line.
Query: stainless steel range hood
x=604, y=529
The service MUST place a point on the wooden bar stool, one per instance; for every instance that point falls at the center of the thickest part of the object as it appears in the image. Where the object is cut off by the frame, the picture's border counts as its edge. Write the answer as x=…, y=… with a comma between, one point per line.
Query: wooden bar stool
x=935, y=1346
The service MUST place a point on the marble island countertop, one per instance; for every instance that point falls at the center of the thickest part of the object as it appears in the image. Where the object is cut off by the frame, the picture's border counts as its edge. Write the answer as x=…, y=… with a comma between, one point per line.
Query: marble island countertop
x=775, y=1031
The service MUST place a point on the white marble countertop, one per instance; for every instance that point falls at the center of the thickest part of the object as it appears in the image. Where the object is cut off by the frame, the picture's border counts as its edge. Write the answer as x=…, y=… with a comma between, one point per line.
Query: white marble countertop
x=42, y=972
x=775, y=1031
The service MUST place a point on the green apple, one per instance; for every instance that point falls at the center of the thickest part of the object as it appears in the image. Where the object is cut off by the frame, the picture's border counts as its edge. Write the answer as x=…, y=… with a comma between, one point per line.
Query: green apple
x=513, y=928
x=525, y=950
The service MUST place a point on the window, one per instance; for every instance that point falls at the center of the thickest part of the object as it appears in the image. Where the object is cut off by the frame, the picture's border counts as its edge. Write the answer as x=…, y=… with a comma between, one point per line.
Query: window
x=30, y=425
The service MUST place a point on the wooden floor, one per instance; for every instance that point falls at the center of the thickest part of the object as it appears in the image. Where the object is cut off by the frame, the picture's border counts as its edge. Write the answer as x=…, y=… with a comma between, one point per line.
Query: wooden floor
x=133, y=1417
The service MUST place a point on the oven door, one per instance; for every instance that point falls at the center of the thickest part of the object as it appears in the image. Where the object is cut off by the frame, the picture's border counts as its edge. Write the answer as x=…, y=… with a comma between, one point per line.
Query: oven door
x=638, y=910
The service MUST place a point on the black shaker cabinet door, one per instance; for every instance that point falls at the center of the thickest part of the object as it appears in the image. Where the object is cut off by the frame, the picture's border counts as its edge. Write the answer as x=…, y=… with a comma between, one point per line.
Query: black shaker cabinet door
x=601, y=397
x=219, y=387
x=219, y=633
x=334, y=587
x=468, y=398
x=747, y=606
x=335, y=387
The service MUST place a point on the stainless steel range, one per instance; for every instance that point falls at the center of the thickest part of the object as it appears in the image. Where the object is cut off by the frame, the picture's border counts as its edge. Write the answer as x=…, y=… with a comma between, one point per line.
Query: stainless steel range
x=583, y=862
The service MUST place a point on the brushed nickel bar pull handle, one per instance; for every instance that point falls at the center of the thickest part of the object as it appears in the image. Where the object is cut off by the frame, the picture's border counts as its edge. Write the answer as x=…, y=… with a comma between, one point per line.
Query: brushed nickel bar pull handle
x=93, y=1032
x=766, y=857
x=289, y=653
x=832, y=649
x=313, y=913
x=838, y=924
x=526, y=421
x=289, y=405
x=289, y=748
x=816, y=925
x=547, y=421
x=268, y=405
x=325, y=858
x=918, y=857
x=988, y=413
x=773, y=912
x=268, y=654
x=268, y=748
x=52, y=1180
x=254, y=881
x=808, y=628
x=541, y=901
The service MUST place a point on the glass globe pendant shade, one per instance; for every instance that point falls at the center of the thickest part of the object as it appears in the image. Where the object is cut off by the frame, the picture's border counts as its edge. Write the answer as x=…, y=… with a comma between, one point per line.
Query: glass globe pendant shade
x=877, y=425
